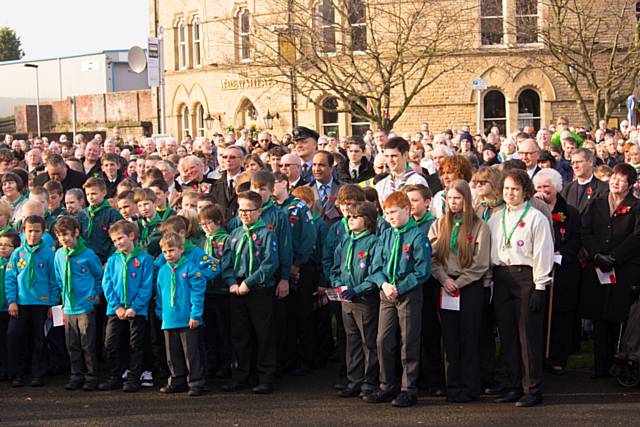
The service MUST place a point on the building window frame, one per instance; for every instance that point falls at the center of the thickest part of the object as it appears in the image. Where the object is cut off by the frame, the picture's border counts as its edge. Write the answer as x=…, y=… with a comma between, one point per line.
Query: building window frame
x=183, y=51
x=330, y=120
x=487, y=121
x=526, y=15
x=184, y=120
x=485, y=19
x=532, y=118
x=327, y=28
x=199, y=120
x=244, y=35
x=196, y=41
x=357, y=19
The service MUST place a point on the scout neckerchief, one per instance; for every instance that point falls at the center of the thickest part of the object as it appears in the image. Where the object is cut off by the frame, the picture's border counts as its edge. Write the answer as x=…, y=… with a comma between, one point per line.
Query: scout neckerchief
x=18, y=200
x=507, y=237
x=92, y=213
x=137, y=250
x=164, y=213
x=60, y=211
x=219, y=234
x=174, y=268
x=354, y=237
x=425, y=218
x=486, y=212
x=188, y=246
x=31, y=265
x=395, y=249
x=267, y=205
x=453, y=243
x=67, y=282
x=247, y=236
x=403, y=181
x=3, y=266
x=148, y=226
x=345, y=224
x=5, y=229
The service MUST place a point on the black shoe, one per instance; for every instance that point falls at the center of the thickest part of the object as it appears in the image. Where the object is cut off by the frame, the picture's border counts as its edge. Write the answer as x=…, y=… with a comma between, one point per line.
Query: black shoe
x=556, y=370
x=300, y=371
x=223, y=373
x=234, y=386
x=529, y=400
x=494, y=390
x=36, y=382
x=17, y=381
x=90, y=386
x=380, y=396
x=131, y=386
x=113, y=383
x=438, y=392
x=404, y=400
x=364, y=393
x=510, y=397
x=349, y=392
x=194, y=392
x=263, y=388
x=340, y=385
x=170, y=389
x=73, y=385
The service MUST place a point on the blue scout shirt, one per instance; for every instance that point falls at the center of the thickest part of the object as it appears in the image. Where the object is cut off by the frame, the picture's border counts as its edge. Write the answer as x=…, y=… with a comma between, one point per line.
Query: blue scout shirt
x=42, y=289
x=139, y=282
x=81, y=294
x=181, y=299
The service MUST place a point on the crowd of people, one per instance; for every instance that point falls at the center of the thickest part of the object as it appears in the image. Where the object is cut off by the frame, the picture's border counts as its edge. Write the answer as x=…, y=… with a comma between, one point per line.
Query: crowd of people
x=233, y=257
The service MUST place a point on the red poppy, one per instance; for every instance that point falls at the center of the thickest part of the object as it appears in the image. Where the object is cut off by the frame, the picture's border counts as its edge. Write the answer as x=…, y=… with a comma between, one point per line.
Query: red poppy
x=271, y=227
x=136, y=263
x=522, y=224
x=330, y=198
x=612, y=277
x=622, y=210
x=362, y=255
x=406, y=248
x=470, y=238
x=589, y=191
x=563, y=231
x=558, y=217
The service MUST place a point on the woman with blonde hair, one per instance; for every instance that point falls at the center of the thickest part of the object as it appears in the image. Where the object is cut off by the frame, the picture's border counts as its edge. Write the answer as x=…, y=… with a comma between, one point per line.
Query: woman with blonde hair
x=461, y=255
x=486, y=183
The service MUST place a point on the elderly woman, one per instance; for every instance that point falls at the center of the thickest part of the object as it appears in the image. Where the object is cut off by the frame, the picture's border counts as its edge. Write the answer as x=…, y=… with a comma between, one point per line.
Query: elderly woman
x=566, y=287
x=611, y=236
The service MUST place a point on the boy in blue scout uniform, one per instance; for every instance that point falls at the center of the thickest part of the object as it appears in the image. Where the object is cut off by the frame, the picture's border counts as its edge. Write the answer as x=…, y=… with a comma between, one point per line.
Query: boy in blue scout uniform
x=250, y=260
x=179, y=303
x=31, y=291
x=402, y=264
x=127, y=286
x=78, y=272
x=149, y=221
x=8, y=242
x=101, y=217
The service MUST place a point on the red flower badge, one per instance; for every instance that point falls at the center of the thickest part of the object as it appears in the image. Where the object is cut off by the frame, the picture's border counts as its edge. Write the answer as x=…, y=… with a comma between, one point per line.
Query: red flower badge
x=362, y=255
x=589, y=192
x=136, y=263
x=622, y=210
x=405, y=249
x=563, y=231
x=271, y=227
x=559, y=217
x=330, y=198
x=522, y=224
x=470, y=238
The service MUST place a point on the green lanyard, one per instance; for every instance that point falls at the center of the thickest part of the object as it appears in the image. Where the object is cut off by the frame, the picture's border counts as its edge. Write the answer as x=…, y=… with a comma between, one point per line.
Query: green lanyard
x=507, y=243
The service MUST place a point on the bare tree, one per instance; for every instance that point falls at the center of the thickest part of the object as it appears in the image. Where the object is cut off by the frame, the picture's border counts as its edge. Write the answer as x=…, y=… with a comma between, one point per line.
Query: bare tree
x=374, y=56
x=595, y=47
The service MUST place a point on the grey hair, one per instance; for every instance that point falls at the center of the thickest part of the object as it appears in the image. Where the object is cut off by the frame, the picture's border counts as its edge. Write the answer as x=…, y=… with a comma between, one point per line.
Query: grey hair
x=552, y=175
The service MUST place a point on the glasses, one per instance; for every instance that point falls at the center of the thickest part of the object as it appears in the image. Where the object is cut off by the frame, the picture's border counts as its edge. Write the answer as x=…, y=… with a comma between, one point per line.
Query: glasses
x=481, y=182
x=527, y=153
x=354, y=216
x=264, y=140
x=246, y=211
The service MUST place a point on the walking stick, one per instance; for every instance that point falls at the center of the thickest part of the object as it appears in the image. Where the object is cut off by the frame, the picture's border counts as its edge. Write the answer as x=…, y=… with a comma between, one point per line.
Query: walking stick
x=549, y=318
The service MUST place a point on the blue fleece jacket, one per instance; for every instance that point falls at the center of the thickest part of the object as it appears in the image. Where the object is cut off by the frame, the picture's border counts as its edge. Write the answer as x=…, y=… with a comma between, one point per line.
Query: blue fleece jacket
x=44, y=289
x=188, y=302
x=139, y=283
x=86, y=273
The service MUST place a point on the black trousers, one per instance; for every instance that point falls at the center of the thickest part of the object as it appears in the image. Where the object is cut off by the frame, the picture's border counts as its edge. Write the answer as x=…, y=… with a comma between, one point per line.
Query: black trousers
x=117, y=330
x=24, y=332
x=80, y=331
x=360, y=319
x=216, y=333
x=4, y=348
x=154, y=355
x=301, y=305
x=253, y=332
x=431, y=365
x=184, y=358
x=521, y=330
x=461, y=333
x=605, y=339
x=563, y=327
x=488, y=341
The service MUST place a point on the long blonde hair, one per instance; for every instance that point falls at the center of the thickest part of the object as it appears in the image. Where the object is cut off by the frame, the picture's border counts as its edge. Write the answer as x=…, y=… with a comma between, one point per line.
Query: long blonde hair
x=442, y=246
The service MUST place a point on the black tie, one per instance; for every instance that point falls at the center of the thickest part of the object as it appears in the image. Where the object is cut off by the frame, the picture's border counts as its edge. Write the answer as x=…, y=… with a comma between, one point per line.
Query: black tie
x=581, y=190
x=354, y=174
x=305, y=169
x=231, y=189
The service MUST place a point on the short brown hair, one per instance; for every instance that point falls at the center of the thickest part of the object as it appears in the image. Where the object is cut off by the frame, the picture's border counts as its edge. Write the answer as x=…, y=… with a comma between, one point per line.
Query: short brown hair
x=213, y=213
x=125, y=227
x=37, y=191
x=95, y=182
x=54, y=187
x=65, y=224
x=424, y=191
x=33, y=219
x=350, y=193
x=369, y=212
x=171, y=240
x=13, y=177
x=143, y=195
x=263, y=179
x=110, y=157
x=174, y=224
x=521, y=178
x=251, y=196
x=399, y=199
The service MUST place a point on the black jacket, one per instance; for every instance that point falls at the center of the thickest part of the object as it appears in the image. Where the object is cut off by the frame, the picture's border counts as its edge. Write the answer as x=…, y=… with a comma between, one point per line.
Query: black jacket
x=566, y=230
x=225, y=197
x=365, y=172
x=570, y=193
x=73, y=179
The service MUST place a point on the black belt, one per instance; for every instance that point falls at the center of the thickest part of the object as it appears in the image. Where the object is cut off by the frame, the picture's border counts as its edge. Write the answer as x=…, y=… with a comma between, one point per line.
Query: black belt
x=513, y=268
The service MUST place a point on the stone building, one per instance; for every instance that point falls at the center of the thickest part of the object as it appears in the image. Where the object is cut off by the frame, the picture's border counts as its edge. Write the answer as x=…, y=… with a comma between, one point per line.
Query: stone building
x=207, y=43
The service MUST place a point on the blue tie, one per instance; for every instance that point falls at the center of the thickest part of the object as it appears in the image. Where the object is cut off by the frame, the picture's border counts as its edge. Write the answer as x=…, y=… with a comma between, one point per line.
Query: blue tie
x=324, y=195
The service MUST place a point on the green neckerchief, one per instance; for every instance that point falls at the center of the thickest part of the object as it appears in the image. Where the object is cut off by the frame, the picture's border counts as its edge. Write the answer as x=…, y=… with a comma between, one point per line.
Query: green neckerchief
x=395, y=249
x=31, y=266
x=221, y=232
x=246, y=237
x=164, y=213
x=486, y=213
x=137, y=250
x=92, y=213
x=354, y=237
x=147, y=227
x=507, y=237
x=453, y=243
x=18, y=200
x=7, y=228
x=3, y=266
x=267, y=205
x=188, y=246
x=67, y=284
x=314, y=216
x=60, y=211
x=425, y=218
x=345, y=224
x=174, y=268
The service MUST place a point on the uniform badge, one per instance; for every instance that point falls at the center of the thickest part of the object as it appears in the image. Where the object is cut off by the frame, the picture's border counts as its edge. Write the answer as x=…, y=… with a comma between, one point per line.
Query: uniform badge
x=184, y=275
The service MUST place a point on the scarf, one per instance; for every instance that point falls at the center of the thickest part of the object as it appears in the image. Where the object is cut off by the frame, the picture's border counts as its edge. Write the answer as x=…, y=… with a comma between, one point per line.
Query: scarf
x=392, y=266
x=164, y=213
x=18, y=200
x=453, y=243
x=67, y=283
x=174, y=268
x=267, y=205
x=31, y=265
x=345, y=224
x=137, y=250
x=403, y=180
x=354, y=237
x=147, y=227
x=4, y=230
x=188, y=246
x=3, y=265
x=427, y=217
x=486, y=212
x=219, y=234
x=92, y=213
x=247, y=238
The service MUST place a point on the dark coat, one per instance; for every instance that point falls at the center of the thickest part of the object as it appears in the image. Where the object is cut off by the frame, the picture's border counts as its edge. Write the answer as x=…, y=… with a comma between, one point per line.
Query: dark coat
x=73, y=179
x=617, y=235
x=225, y=197
x=365, y=172
x=566, y=230
x=570, y=193
x=330, y=212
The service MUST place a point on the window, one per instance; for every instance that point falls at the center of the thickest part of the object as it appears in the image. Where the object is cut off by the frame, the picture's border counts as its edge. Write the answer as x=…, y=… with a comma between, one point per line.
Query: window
x=185, y=121
x=526, y=21
x=200, y=120
x=197, y=42
x=638, y=10
x=358, y=25
x=529, y=109
x=330, y=116
x=359, y=124
x=327, y=26
x=491, y=22
x=244, y=29
x=495, y=112
x=182, y=44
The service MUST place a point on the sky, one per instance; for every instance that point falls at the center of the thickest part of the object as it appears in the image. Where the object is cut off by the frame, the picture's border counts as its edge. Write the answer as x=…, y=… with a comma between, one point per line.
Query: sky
x=56, y=28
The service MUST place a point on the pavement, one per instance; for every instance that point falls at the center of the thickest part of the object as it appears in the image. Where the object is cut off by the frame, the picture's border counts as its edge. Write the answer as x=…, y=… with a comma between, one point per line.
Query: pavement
x=573, y=399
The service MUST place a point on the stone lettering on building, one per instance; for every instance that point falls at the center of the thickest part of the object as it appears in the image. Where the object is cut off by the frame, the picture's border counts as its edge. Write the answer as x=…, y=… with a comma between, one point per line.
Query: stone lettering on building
x=235, y=84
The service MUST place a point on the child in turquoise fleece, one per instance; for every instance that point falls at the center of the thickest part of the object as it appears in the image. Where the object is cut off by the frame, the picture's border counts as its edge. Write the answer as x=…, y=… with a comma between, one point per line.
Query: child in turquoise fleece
x=101, y=217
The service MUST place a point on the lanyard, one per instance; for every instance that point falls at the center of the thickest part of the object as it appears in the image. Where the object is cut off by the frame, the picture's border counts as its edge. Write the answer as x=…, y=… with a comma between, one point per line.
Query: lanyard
x=507, y=243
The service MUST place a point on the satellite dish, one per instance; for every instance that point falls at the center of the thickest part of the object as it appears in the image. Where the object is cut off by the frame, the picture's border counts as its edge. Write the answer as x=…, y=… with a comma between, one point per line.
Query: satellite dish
x=137, y=59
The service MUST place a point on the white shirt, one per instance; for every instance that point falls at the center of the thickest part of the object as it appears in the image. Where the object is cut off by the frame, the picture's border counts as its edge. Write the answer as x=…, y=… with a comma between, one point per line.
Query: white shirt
x=385, y=188
x=531, y=244
x=586, y=181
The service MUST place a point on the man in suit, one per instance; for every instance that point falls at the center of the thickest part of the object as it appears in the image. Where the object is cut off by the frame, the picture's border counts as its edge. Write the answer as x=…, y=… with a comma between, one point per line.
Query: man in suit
x=325, y=187
x=357, y=168
x=585, y=186
x=291, y=166
x=224, y=188
x=306, y=144
x=529, y=153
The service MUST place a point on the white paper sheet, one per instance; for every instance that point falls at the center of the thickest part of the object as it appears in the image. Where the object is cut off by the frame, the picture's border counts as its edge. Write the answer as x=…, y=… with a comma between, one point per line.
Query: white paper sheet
x=56, y=315
x=557, y=259
x=606, y=278
x=449, y=302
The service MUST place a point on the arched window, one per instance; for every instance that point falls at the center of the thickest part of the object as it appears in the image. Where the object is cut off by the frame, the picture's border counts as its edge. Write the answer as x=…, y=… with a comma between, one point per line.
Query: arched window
x=529, y=109
x=200, y=120
x=495, y=112
x=358, y=25
x=491, y=22
x=330, y=116
x=327, y=26
x=185, y=122
x=359, y=124
x=244, y=39
x=526, y=21
x=182, y=44
x=197, y=42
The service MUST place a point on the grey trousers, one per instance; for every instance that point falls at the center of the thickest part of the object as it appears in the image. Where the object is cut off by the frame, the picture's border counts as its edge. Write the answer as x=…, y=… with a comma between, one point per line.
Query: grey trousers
x=184, y=358
x=404, y=313
x=360, y=320
x=80, y=333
